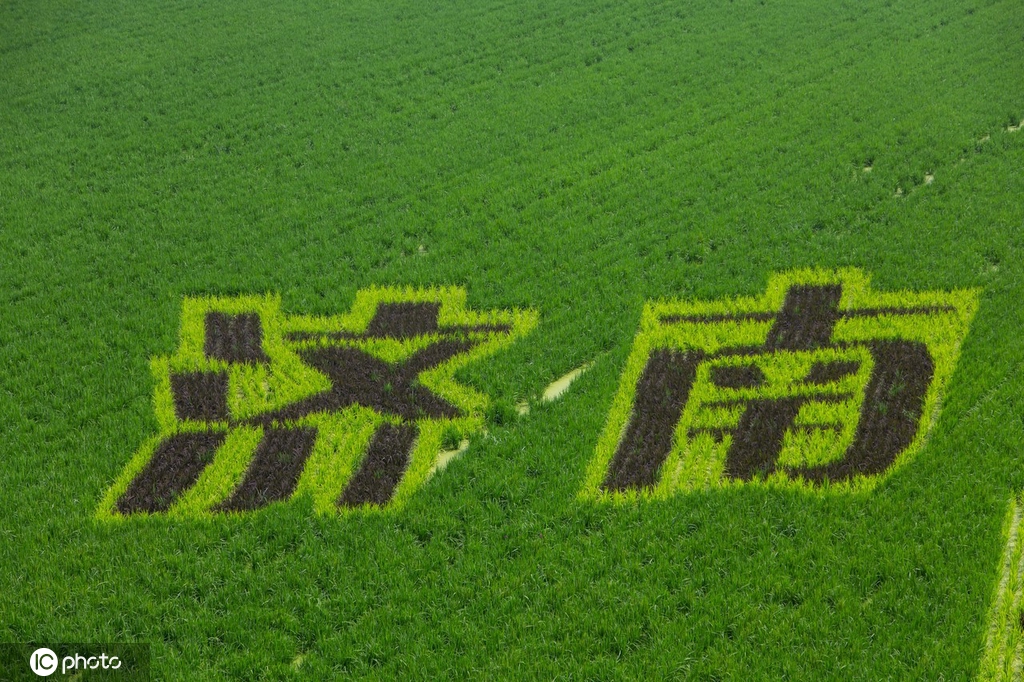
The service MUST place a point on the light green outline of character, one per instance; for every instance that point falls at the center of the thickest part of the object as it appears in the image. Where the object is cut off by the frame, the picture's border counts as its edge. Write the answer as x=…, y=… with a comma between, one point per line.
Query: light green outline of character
x=342, y=436
x=943, y=335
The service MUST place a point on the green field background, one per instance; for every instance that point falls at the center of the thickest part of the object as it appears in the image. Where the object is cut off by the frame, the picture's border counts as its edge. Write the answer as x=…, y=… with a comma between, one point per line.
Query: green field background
x=578, y=158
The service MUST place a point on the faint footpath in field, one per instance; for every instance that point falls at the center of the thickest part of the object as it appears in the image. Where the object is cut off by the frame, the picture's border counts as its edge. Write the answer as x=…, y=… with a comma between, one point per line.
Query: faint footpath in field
x=929, y=177
x=559, y=386
x=553, y=392
x=446, y=456
x=555, y=389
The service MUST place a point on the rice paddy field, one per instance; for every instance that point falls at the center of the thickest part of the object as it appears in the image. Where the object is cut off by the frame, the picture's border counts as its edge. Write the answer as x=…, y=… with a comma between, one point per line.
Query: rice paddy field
x=284, y=287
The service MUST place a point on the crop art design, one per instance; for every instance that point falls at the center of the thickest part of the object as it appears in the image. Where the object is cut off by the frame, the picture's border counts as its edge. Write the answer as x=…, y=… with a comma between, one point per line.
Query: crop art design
x=349, y=411
x=820, y=380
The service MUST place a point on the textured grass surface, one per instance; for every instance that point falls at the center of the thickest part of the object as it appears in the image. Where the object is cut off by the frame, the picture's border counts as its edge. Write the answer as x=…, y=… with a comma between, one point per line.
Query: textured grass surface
x=579, y=159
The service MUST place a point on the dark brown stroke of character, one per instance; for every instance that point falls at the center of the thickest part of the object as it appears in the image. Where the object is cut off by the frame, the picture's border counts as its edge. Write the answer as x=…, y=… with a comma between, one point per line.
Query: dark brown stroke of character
x=356, y=378
x=894, y=398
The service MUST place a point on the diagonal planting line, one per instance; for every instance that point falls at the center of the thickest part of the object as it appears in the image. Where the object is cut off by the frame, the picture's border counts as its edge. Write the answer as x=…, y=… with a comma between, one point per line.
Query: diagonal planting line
x=446, y=456
x=555, y=390
x=1003, y=643
x=988, y=395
